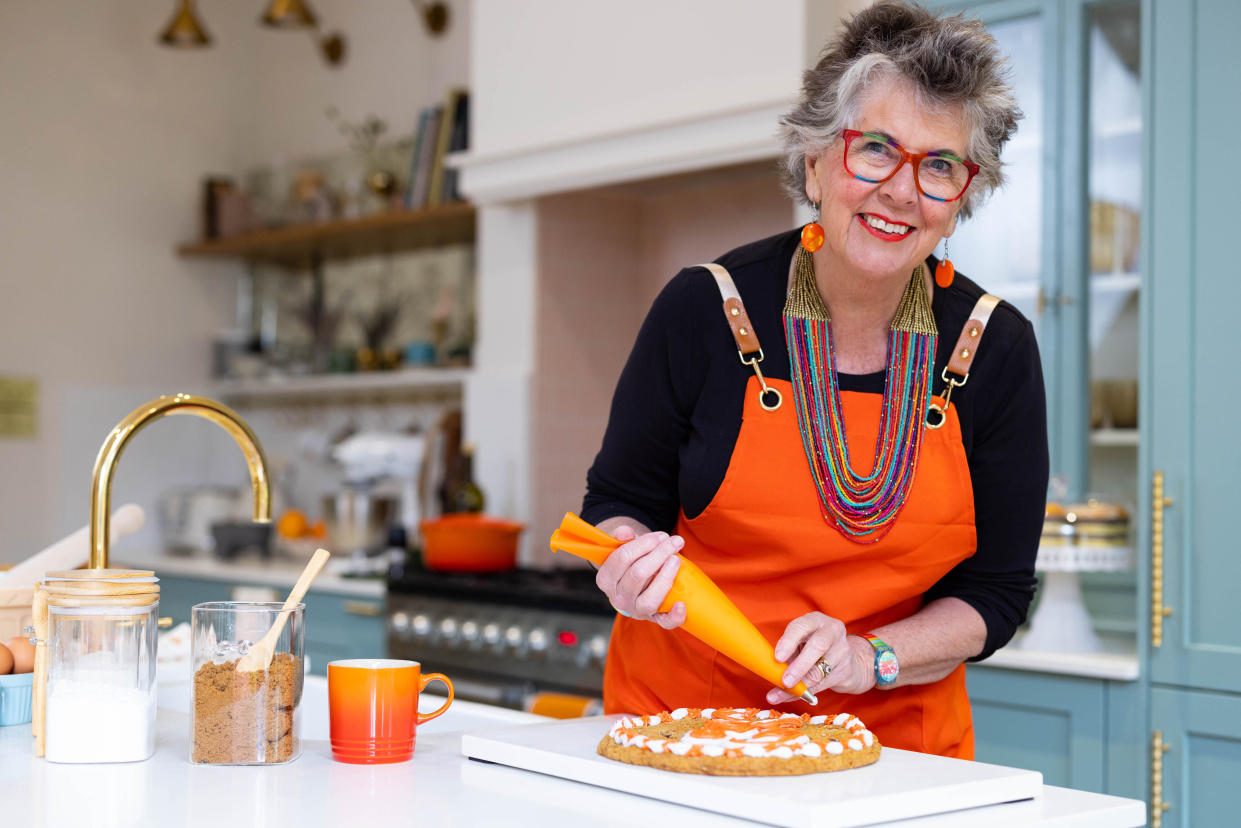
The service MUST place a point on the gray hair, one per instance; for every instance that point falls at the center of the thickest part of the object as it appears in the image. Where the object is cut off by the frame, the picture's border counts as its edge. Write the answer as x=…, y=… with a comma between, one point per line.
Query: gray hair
x=952, y=63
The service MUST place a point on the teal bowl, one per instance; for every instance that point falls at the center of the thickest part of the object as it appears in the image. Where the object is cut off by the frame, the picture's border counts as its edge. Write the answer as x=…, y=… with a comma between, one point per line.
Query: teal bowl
x=15, y=695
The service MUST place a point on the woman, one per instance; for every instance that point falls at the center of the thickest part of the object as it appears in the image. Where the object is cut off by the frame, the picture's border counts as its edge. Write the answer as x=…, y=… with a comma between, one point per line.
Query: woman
x=876, y=584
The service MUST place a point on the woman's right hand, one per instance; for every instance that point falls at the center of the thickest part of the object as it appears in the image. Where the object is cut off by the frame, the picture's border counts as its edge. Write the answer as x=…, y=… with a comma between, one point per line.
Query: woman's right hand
x=636, y=577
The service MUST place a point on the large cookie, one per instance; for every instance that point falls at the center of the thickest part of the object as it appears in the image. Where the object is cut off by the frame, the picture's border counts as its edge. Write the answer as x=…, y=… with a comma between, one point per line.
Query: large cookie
x=741, y=742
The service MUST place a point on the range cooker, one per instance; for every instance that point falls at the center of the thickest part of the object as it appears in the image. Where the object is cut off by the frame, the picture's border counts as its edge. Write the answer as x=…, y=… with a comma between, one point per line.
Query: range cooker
x=503, y=637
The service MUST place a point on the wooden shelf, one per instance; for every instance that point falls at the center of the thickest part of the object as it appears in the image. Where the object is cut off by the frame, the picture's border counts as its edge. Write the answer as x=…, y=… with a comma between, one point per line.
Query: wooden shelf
x=404, y=382
x=299, y=245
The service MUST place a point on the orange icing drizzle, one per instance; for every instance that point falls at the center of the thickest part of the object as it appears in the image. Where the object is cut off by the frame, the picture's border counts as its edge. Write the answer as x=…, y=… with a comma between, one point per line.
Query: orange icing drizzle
x=771, y=732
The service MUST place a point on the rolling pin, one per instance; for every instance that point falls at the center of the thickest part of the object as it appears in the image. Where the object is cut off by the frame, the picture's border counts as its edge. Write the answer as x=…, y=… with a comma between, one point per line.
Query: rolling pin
x=70, y=552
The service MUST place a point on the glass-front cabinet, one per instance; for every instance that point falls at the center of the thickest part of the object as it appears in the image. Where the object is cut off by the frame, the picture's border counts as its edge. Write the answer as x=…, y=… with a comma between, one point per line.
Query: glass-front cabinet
x=1062, y=241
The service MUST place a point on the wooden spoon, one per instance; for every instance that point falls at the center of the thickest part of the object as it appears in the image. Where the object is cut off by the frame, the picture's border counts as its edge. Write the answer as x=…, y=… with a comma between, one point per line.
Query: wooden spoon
x=259, y=656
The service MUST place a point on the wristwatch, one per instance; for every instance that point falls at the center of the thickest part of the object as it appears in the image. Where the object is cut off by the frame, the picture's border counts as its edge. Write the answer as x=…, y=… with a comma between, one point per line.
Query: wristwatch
x=887, y=668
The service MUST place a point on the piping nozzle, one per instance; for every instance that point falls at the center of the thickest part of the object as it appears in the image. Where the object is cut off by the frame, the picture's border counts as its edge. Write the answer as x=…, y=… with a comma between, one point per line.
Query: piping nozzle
x=809, y=698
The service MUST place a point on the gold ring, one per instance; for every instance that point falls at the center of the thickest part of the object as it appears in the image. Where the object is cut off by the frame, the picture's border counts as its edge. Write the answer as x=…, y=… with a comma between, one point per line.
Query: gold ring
x=825, y=666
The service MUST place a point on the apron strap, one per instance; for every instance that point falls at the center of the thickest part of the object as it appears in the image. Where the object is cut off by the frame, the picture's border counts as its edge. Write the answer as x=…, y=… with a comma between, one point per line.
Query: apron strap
x=957, y=371
x=748, y=350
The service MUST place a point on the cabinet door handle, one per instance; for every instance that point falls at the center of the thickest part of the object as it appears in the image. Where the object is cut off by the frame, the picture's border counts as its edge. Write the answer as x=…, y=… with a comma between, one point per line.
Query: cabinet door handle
x=1158, y=610
x=1158, y=806
x=367, y=608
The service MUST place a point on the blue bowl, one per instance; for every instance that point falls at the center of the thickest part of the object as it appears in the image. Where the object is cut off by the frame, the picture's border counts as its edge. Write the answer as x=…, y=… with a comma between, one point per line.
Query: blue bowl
x=15, y=695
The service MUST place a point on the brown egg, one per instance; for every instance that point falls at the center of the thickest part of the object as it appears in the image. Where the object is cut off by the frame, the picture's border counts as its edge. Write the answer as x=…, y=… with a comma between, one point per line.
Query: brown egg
x=6, y=660
x=23, y=654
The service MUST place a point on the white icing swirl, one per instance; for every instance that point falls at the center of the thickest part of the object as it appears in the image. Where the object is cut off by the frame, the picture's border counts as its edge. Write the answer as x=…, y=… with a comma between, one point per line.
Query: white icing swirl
x=812, y=750
x=679, y=713
x=835, y=747
x=855, y=744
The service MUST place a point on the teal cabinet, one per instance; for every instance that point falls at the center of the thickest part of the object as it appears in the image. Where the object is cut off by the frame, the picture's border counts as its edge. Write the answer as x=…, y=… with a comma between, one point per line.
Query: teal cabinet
x=337, y=626
x=1195, y=440
x=1199, y=765
x=1188, y=620
x=1191, y=616
x=1056, y=725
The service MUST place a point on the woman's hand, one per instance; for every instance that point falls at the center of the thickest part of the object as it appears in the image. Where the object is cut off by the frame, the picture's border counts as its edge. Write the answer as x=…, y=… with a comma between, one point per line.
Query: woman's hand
x=636, y=577
x=814, y=636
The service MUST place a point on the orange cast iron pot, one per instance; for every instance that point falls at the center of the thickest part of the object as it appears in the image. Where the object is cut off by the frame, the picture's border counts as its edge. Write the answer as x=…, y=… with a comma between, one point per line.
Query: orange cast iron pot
x=470, y=543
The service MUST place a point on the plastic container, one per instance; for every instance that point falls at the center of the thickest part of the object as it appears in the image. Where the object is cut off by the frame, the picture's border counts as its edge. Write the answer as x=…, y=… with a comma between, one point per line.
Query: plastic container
x=470, y=543
x=15, y=693
x=101, y=640
x=245, y=718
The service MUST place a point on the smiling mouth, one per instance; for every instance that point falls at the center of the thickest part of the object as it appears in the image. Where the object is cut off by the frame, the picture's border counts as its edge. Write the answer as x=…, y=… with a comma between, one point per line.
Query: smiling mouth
x=884, y=229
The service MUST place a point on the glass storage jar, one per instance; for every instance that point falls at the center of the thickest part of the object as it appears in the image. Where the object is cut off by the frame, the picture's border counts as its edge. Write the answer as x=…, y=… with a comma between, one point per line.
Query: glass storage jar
x=245, y=718
x=97, y=630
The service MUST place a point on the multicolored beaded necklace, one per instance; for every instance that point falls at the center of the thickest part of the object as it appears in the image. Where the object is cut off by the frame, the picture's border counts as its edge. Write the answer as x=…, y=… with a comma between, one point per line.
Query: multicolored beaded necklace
x=862, y=508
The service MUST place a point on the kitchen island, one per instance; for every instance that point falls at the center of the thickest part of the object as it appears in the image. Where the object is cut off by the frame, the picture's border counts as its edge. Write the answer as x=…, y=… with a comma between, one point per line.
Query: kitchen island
x=437, y=787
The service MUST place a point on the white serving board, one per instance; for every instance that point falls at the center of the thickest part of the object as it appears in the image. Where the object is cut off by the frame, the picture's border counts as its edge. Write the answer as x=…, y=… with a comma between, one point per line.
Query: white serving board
x=900, y=785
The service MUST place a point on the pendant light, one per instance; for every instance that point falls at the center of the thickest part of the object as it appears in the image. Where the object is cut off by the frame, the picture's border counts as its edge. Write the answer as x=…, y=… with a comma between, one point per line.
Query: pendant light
x=184, y=31
x=289, y=14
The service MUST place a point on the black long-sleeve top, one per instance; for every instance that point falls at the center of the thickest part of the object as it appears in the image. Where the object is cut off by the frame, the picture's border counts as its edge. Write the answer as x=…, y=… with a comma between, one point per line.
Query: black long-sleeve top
x=676, y=416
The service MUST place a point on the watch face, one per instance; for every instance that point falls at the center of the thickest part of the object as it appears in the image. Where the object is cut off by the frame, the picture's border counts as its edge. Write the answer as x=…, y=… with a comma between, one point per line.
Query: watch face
x=887, y=666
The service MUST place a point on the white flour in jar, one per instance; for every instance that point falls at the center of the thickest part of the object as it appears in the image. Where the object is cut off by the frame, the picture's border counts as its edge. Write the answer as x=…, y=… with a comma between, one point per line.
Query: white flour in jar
x=96, y=718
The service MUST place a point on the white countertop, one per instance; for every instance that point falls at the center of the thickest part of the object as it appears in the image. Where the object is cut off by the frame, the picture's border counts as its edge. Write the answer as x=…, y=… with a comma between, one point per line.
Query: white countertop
x=1118, y=661
x=276, y=572
x=437, y=787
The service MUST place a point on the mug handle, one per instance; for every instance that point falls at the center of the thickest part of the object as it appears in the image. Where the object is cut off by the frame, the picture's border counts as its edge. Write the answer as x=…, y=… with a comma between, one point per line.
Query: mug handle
x=427, y=679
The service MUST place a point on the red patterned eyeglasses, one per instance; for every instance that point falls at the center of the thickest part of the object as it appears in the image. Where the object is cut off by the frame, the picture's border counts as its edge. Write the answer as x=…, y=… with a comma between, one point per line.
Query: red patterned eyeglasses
x=873, y=158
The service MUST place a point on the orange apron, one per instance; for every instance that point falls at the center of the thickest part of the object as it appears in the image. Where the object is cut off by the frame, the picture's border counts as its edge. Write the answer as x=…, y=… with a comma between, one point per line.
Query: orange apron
x=764, y=541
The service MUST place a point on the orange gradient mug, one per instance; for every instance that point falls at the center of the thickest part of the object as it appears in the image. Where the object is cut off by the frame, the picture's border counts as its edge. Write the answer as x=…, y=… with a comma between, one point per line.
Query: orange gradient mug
x=373, y=708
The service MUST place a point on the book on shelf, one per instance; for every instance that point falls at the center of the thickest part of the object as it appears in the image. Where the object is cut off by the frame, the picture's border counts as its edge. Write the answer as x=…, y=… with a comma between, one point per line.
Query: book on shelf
x=452, y=102
x=457, y=142
x=414, y=157
x=426, y=157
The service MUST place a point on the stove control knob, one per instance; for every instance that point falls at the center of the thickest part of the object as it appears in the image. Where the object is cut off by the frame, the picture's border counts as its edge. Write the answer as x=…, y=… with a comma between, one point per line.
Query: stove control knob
x=537, y=640
x=400, y=622
x=598, y=648
x=491, y=633
x=448, y=629
x=421, y=625
x=513, y=636
x=469, y=631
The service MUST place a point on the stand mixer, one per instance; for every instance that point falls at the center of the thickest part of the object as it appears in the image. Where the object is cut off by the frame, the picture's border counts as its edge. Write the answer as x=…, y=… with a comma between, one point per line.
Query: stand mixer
x=369, y=458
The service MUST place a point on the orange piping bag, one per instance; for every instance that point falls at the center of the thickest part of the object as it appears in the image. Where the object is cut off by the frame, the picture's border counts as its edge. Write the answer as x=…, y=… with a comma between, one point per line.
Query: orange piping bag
x=710, y=615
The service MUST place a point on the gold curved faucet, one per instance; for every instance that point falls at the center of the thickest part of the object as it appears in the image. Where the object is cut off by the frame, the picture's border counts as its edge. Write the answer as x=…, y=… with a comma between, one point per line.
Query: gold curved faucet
x=110, y=452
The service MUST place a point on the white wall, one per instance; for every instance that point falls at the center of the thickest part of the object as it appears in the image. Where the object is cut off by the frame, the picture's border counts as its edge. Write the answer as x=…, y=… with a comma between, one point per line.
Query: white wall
x=107, y=137
x=557, y=71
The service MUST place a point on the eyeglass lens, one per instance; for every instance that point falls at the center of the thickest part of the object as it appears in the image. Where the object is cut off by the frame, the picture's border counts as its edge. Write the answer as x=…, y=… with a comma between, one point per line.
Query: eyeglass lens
x=872, y=158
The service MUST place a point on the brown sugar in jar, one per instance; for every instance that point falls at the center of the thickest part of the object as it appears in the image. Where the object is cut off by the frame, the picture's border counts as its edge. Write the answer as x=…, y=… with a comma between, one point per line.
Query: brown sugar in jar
x=246, y=718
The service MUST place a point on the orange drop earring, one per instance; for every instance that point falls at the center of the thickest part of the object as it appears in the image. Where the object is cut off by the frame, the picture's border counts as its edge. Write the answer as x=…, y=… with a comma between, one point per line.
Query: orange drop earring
x=812, y=233
x=944, y=271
